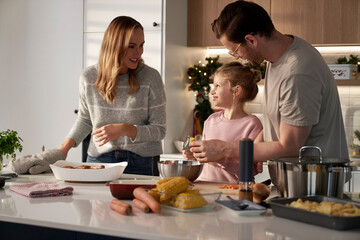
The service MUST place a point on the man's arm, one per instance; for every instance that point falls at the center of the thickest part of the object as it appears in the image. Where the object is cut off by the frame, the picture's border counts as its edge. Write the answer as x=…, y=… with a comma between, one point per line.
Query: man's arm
x=292, y=138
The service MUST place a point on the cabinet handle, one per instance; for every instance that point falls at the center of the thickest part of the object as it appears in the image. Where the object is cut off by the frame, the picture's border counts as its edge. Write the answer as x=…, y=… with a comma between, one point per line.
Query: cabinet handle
x=155, y=24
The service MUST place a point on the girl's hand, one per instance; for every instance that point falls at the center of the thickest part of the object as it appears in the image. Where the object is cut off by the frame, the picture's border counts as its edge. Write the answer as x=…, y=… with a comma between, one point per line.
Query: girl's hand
x=187, y=155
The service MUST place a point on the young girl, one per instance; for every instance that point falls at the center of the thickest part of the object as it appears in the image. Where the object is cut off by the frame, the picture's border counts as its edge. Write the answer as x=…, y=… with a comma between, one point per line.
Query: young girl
x=234, y=85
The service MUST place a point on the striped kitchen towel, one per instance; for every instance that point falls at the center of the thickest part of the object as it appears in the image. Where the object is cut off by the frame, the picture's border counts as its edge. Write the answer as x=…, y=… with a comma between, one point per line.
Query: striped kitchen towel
x=41, y=189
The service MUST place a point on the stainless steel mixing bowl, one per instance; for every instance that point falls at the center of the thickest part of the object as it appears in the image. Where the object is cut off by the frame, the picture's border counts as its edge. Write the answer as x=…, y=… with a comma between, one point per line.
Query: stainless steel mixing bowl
x=180, y=168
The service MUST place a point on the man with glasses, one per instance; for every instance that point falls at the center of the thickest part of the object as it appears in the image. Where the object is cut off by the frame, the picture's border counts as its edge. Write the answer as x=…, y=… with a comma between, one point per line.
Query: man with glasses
x=301, y=103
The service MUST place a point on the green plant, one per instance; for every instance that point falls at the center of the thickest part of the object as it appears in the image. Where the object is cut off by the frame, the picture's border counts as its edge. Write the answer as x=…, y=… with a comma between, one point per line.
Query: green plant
x=352, y=60
x=199, y=78
x=9, y=143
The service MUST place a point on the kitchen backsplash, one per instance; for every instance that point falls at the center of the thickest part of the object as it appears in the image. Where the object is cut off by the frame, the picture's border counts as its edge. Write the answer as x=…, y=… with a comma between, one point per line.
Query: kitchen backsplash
x=349, y=95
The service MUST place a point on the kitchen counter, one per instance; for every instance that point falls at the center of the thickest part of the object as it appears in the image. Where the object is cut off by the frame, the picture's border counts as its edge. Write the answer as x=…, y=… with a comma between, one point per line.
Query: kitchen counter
x=87, y=211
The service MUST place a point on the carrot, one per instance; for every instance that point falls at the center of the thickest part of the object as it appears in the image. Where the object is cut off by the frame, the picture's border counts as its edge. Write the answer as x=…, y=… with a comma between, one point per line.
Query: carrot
x=146, y=198
x=120, y=207
x=228, y=186
x=141, y=205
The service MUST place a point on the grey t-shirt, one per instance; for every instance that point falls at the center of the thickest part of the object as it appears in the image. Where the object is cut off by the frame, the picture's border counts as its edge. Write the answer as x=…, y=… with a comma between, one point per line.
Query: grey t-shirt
x=300, y=90
x=145, y=109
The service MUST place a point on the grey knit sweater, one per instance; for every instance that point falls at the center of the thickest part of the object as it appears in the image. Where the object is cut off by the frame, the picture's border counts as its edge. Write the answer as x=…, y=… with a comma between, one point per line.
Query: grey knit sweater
x=144, y=109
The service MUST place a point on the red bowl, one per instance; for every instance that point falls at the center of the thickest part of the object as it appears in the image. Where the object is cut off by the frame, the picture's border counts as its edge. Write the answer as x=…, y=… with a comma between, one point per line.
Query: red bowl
x=123, y=189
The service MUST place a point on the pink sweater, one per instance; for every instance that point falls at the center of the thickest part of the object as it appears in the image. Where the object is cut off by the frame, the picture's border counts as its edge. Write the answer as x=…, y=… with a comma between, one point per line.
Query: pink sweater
x=218, y=127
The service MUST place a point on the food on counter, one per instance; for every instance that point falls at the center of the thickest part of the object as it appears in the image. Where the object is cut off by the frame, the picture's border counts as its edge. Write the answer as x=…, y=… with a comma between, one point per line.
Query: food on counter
x=147, y=198
x=260, y=192
x=175, y=191
x=229, y=186
x=331, y=208
x=120, y=207
x=85, y=167
x=141, y=205
x=191, y=198
x=174, y=185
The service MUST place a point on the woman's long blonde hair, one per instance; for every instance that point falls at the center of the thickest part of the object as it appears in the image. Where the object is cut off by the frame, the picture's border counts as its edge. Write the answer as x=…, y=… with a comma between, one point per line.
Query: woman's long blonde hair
x=113, y=50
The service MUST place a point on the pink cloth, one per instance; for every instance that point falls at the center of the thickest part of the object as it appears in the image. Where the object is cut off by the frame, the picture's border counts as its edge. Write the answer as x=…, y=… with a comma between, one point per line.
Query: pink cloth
x=41, y=189
x=232, y=130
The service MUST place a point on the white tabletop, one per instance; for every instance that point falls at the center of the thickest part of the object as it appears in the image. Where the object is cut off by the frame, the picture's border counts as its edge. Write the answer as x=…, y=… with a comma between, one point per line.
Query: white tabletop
x=87, y=210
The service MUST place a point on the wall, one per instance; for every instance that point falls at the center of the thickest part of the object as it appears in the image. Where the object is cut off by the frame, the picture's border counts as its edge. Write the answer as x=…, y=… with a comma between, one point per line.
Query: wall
x=40, y=64
x=178, y=57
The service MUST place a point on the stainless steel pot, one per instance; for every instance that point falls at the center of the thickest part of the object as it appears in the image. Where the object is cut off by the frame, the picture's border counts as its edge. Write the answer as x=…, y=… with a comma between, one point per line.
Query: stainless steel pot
x=308, y=175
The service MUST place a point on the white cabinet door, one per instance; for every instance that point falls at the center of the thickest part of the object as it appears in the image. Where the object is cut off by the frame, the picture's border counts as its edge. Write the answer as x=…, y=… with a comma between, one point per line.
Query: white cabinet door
x=99, y=13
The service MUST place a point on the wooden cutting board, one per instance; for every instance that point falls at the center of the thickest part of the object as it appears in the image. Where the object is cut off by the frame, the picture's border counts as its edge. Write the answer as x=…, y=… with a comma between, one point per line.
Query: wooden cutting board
x=214, y=187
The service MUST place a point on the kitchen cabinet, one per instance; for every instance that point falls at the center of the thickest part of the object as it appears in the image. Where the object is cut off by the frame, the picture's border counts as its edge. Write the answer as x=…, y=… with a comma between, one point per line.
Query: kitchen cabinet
x=201, y=13
x=99, y=13
x=319, y=22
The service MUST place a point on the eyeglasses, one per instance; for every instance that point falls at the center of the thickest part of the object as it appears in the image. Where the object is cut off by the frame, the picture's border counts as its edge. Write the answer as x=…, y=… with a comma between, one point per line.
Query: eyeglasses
x=232, y=53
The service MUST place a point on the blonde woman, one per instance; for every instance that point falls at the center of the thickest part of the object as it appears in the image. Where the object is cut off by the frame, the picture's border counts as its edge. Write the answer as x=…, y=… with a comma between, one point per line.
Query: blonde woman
x=122, y=103
x=234, y=85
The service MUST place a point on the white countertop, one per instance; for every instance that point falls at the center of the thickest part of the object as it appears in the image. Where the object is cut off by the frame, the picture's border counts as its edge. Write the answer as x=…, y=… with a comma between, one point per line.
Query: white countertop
x=87, y=210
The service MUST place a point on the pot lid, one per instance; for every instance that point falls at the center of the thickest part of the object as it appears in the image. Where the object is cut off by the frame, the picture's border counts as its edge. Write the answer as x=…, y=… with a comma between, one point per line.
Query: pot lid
x=312, y=160
x=312, y=155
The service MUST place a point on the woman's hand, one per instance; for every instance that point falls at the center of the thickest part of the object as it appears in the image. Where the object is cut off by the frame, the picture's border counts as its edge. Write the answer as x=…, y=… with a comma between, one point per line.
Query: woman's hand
x=111, y=132
x=66, y=146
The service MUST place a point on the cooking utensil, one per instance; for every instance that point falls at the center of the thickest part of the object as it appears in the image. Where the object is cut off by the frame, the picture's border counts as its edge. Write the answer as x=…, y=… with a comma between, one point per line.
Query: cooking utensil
x=281, y=209
x=123, y=189
x=238, y=205
x=309, y=175
x=253, y=209
x=175, y=168
x=186, y=144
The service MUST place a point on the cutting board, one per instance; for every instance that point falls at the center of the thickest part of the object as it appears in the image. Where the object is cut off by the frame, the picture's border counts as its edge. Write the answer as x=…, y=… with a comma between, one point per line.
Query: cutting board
x=214, y=187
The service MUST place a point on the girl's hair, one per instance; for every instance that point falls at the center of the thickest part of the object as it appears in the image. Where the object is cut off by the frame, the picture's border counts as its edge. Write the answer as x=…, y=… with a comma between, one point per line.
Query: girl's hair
x=113, y=50
x=244, y=76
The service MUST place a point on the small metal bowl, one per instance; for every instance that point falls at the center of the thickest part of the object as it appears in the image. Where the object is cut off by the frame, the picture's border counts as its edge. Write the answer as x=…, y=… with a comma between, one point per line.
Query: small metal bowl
x=180, y=168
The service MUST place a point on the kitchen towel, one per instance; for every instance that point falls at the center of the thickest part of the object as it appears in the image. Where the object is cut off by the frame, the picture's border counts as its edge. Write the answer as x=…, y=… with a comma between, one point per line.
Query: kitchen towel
x=41, y=189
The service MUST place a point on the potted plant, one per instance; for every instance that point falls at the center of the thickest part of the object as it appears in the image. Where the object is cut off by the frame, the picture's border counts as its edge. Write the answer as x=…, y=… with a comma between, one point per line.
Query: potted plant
x=9, y=143
x=345, y=69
